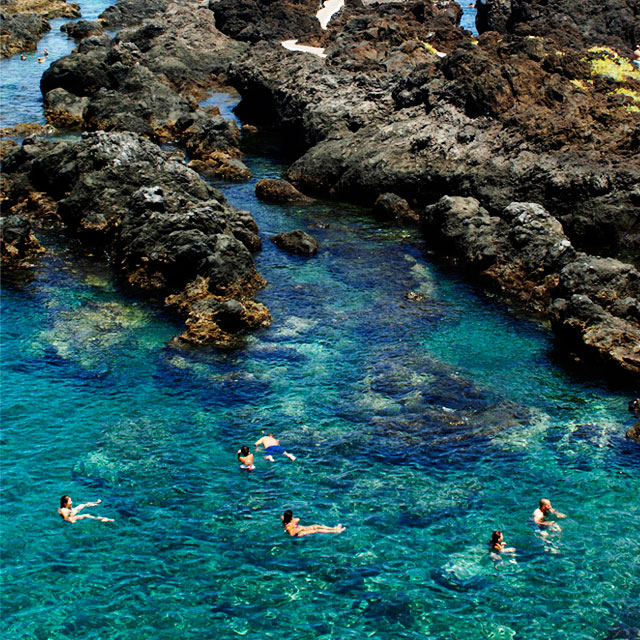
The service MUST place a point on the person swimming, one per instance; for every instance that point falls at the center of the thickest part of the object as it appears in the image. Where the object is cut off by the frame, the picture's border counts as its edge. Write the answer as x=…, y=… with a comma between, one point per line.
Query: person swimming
x=272, y=445
x=540, y=515
x=246, y=458
x=296, y=530
x=498, y=545
x=69, y=513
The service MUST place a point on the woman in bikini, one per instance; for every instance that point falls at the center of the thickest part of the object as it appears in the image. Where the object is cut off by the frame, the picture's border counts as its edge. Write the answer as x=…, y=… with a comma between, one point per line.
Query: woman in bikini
x=296, y=530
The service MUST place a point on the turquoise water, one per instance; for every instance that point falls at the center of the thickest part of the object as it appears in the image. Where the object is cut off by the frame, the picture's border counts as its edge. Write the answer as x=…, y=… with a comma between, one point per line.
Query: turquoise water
x=421, y=425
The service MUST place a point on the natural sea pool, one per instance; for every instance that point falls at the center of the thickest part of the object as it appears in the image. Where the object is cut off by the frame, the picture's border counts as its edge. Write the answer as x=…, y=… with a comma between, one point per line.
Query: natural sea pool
x=421, y=424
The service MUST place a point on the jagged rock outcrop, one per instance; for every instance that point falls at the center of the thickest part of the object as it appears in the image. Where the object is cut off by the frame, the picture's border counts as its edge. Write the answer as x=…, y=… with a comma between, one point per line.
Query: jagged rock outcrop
x=83, y=29
x=169, y=234
x=593, y=303
x=393, y=207
x=146, y=80
x=23, y=22
x=571, y=23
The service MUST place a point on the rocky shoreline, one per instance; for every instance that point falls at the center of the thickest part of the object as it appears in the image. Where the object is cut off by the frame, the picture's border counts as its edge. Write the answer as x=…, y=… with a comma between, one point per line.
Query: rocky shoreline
x=516, y=152
x=23, y=22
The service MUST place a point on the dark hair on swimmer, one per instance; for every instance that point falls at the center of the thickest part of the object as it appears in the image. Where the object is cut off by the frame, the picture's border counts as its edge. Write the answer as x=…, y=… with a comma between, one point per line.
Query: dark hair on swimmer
x=244, y=450
x=287, y=516
x=495, y=537
x=64, y=500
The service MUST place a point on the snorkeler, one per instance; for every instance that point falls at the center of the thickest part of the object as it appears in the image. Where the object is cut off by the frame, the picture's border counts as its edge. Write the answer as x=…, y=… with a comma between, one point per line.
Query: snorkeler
x=272, y=445
x=246, y=458
x=292, y=527
x=69, y=513
x=497, y=543
x=540, y=515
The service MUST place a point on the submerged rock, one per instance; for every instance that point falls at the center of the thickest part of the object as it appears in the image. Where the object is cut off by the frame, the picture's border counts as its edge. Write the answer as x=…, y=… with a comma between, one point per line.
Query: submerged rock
x=296, y=241
x=281, y=191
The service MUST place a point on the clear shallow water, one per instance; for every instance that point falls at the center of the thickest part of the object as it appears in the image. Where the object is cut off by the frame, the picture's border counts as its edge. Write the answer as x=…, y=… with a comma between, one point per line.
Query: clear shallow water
x=421, y=425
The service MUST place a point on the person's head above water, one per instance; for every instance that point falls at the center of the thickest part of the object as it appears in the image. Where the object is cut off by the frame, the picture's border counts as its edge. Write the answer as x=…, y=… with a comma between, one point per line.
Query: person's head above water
x=287, y=517
x=545, y=505
x=65, y=501
x=496, y=537
x=244, y=450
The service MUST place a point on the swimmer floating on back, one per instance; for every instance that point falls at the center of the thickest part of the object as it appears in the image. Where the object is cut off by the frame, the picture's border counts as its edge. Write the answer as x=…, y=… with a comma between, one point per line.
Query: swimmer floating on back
x=69, y=513
x=272, y=445
x=246, y=458
x=292, y=527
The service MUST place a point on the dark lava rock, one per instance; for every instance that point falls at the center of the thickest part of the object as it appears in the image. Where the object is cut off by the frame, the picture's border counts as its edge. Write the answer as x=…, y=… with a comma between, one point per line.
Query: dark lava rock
x=393, y=207
x=571, y=23
x=297, y=242
x=281, y=191
x=83, y=29
x=129, y=13
x=255, y=20
x=18, y=245
x=596, y=312
x=21, y=32
x=164, y=228
x=594, y=303
x=146, y=80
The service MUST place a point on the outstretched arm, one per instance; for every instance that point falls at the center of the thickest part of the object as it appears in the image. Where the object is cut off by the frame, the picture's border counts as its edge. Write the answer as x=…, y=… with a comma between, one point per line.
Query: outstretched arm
x=259, y=442
x=557, y=514
x=80, y=507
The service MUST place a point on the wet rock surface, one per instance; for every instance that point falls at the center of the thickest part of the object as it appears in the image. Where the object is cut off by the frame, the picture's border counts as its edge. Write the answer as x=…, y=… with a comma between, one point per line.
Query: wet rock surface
x=272, y=190
x=163, y=227
x=297, y=241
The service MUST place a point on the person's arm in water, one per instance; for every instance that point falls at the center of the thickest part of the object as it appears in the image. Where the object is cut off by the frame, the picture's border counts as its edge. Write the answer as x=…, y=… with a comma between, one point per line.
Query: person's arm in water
x=259, y=442
x=557, y=514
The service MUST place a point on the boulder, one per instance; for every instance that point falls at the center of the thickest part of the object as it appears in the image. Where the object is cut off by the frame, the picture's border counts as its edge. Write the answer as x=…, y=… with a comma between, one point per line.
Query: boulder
x=634, y=432
x=18, y=244
x=280, y=191
x=392, y=207
x=83, y=29
x=297, y=242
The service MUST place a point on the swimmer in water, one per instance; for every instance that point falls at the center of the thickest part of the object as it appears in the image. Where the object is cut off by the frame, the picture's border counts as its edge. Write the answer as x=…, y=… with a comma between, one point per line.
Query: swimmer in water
x=498, y=545
x=296, y=530
x=272, y=445
x=540, y=515
x=246, y=458
x=69, y=513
